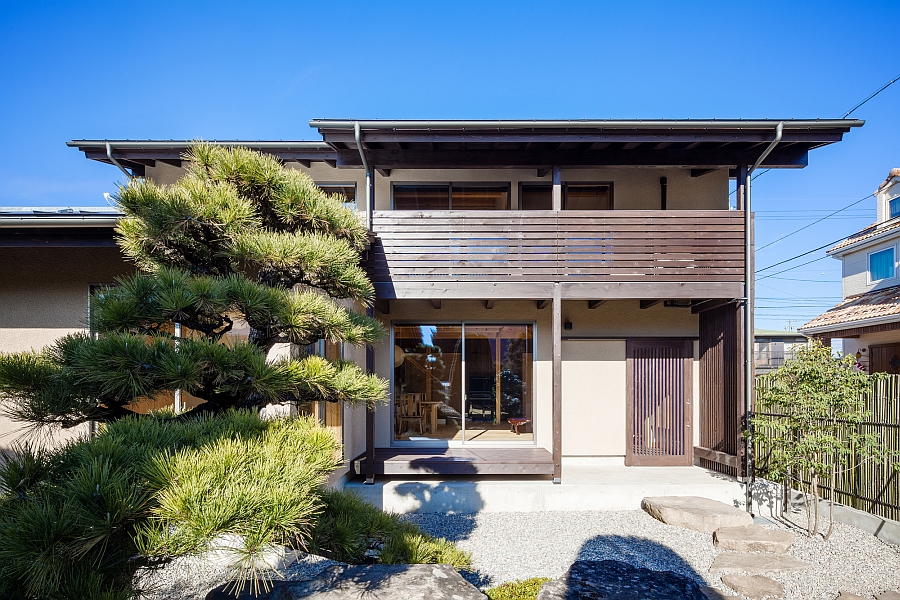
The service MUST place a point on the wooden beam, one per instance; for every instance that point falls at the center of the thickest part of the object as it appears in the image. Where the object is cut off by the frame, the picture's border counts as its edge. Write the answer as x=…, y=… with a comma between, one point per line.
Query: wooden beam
x=729, y=460
x=384, y=172
x=489, y=304
x=648, y=303
x=557, y=189
x=592, y=304
x=542, y=304
x=543, y=172
x=557, y=384
x=383, y=306
x=172, y=162
x=700, y=306
x=304, y=163
x=538, y=290
x=701, y=172
x=436, y=304
x=332, y=163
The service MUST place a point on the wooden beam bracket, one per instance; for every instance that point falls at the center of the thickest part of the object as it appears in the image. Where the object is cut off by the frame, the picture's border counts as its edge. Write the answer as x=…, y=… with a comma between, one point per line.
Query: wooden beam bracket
x=592, y=304
x=648, y=303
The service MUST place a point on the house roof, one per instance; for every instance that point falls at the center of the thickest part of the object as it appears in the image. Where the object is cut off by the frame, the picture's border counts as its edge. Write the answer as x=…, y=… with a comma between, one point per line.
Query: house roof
x=57, y=226
x=853, y=310
x=875, y=230
x=776, y=333
x=701, y=144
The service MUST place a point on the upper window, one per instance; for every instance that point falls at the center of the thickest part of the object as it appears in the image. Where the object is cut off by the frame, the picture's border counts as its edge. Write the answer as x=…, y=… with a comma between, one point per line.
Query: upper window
x=456, y=196
x=881, y=265
x=576, y=196
x=894, y=206
x=347, y=191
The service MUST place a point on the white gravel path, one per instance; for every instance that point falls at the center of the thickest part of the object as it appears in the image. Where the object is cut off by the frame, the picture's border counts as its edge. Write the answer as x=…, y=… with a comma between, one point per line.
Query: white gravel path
x=509, y=546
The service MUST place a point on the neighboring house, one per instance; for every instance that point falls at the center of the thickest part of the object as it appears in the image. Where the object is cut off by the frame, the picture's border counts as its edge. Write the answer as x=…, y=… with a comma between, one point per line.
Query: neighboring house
x=553, y=290
x=867, y=321
x=771, y=348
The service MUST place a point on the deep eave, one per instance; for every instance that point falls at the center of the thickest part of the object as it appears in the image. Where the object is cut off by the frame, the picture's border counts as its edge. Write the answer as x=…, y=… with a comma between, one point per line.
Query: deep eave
x=696, y=144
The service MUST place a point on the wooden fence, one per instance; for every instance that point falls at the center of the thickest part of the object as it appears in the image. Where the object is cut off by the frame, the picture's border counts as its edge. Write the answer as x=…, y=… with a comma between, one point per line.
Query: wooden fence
x=872, y=487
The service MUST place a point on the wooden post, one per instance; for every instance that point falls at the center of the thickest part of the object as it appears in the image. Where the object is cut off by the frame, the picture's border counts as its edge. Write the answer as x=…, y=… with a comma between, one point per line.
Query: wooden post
x=369, y=468
x=557, y=383
x=557, y=189
x=497, y=376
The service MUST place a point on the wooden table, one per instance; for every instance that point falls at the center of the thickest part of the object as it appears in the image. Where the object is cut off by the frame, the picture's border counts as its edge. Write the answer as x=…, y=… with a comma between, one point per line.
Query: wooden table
x=516, y=422
x=431, y=416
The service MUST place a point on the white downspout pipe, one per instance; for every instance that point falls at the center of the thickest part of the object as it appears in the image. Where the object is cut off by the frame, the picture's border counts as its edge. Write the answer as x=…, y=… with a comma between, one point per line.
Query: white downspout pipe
x=109, y=155
x=362, y=156
x=749, y=370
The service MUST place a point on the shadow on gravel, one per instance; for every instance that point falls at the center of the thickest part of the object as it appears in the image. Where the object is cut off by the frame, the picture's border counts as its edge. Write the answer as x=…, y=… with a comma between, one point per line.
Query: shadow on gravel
x=638, y=552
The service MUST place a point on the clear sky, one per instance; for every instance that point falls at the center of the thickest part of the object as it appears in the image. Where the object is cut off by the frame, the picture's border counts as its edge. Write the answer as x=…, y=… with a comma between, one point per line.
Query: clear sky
x=260, y=70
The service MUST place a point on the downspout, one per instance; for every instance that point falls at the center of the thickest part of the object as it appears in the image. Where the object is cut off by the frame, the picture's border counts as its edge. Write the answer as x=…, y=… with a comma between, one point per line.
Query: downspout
x=109, y=155
x=749, y=375
x=362, y=156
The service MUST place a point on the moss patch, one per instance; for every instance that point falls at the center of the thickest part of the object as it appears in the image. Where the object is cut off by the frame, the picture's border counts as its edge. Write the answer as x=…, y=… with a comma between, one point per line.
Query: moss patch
x=523, y=589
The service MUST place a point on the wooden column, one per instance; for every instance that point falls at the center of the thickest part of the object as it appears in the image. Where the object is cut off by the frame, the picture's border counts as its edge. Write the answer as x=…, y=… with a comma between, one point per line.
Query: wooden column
x=557, y=189
x=557, y=383
x=369, y=468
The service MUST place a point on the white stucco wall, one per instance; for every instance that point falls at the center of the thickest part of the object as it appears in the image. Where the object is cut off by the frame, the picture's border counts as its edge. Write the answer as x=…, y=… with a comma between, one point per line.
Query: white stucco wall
x=855, y=268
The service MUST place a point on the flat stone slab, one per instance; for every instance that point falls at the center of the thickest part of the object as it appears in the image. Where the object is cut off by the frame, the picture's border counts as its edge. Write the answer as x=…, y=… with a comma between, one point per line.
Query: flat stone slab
x=714, y=594
x=615, y=580
x=889, y=595
x=693, y=512
x=382, y=582
x=753, y=538
x=755, y=564
x=850, y=596
x=755, y=587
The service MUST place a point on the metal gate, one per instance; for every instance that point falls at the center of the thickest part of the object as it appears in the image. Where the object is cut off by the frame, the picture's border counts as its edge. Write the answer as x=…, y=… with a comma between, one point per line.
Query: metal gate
x=659, y=406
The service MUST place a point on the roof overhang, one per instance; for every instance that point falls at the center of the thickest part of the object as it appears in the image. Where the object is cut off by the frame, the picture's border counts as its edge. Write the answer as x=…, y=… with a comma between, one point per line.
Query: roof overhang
x=54, y=228
x=696, y=144
x=138, y=154
x=836, y=328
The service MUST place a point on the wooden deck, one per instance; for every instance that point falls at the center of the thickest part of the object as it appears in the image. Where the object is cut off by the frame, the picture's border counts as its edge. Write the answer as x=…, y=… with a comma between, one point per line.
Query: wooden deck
x=457, y=461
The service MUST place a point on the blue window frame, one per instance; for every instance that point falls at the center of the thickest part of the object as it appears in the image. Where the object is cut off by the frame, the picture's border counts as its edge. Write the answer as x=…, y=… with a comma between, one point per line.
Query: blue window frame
x=894, y=206
x=881, y=264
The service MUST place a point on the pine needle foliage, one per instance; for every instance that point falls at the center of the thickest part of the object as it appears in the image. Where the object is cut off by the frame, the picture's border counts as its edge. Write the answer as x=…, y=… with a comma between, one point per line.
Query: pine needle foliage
x=78, y=522
x=238, y=240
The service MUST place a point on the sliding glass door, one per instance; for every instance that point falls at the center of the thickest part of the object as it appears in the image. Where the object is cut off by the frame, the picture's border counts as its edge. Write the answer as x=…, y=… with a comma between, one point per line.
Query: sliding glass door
x=463, y=383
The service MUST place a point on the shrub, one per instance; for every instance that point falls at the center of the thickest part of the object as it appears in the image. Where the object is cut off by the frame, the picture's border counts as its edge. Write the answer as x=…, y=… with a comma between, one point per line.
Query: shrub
x=78, y=522
x=352, y=530
x=523, y=589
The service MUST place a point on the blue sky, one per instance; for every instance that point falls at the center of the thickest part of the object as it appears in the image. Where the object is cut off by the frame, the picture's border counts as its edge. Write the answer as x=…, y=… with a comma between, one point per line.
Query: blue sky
x=262, y=70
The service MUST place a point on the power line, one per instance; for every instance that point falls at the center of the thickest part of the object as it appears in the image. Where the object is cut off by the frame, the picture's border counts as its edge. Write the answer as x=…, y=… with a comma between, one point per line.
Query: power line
x=794, y=267
x=816, y=221
x=881, y=89
x=787, y=260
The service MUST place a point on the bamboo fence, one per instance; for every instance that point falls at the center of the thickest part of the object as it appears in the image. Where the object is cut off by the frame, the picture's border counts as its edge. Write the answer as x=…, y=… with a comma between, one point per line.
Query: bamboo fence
x=874, y=488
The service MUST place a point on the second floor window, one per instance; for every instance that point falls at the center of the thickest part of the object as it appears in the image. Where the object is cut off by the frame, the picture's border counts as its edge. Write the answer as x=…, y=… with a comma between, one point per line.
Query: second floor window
x=455, y=196
x=894, y=207
x=881, y=265
x=576, y=196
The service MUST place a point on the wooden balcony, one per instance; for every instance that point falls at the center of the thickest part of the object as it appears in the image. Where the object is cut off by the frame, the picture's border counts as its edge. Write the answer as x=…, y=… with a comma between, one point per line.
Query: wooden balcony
x=521, y=254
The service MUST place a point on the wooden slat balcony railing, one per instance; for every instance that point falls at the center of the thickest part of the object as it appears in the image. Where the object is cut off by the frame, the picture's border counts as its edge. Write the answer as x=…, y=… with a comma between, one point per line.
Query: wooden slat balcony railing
x=634, y=246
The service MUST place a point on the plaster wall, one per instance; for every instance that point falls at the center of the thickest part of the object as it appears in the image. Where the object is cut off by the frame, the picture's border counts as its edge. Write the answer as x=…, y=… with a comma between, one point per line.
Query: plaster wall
x=44, y=296
x=852, y=345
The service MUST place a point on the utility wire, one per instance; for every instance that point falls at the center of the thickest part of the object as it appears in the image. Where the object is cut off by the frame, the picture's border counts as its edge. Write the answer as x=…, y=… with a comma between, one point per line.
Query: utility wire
x=795, y=266
x=787, y=235
x=787, y=260
x=881, y=89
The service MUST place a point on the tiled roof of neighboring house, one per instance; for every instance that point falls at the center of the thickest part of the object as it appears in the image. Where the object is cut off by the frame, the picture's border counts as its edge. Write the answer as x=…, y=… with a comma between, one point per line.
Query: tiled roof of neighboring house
x=870, y=305
x=869, y=232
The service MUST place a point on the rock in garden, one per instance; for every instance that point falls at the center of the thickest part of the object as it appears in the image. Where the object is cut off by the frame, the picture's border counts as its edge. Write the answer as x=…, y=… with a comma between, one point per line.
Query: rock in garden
x=754, y=587
x=849, y=596
x=382, y=582
x=611, y=579
x=714, y=594
x=753, y=538
x=889, y=595
x=693, y=512
x=755, y=564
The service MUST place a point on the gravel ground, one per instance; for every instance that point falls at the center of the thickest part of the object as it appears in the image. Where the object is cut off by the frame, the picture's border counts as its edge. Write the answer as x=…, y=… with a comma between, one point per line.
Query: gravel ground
x=191, y=578
x=509, y=546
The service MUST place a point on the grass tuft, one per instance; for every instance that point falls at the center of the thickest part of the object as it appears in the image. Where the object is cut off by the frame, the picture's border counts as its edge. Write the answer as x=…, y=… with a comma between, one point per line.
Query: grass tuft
x=523, y=589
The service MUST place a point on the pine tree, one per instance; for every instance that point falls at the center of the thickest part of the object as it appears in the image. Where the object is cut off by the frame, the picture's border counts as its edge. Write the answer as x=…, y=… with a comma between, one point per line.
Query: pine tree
x=239, y=238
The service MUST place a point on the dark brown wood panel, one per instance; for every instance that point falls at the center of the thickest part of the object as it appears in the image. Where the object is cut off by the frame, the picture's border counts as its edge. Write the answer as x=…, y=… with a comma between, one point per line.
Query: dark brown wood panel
x=721, y=387
x=457, y=461
x=659, y=402
x=884, y=358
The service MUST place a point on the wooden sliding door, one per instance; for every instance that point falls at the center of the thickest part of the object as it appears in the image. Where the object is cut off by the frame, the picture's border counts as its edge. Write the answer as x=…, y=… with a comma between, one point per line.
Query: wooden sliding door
x=659, y=406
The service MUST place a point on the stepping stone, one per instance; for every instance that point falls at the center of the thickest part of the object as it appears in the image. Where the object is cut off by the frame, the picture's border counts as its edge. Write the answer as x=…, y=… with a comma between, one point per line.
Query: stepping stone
x=754, y=587
x=714, y=594
x=608, y=579
x=382, y=582
x=849, y=596
x=693, y=512
x=753, y=538
x=889, y=595
x=755, y=564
